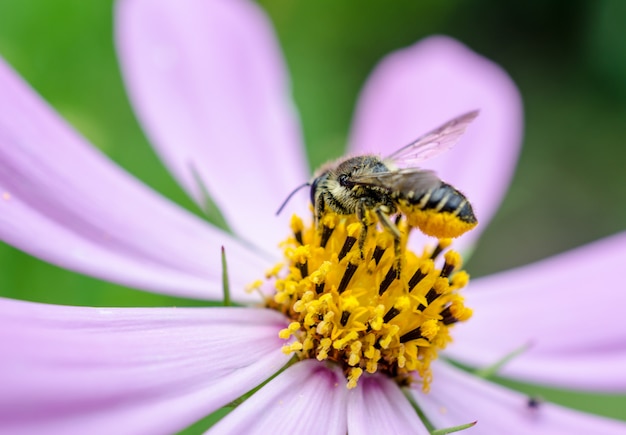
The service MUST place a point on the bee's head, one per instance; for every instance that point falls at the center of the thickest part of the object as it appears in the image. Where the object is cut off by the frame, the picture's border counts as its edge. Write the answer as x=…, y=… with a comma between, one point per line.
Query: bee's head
x=315, y=185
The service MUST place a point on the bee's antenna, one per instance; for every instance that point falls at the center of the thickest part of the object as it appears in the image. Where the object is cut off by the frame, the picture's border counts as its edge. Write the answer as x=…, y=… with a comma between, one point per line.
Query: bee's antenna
x=290, y=195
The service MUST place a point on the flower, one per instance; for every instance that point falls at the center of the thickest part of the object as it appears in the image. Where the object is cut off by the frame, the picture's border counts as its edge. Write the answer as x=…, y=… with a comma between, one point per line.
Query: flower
x=209, y=87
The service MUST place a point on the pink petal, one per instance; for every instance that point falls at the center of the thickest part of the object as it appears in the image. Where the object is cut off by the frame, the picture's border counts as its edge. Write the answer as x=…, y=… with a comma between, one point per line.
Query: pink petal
x=457, y=397
x=377, y=406
x=151, y=370
x=307, y=398
x=566, y=309
x=210, y=88
x=419, y=88
x=63, y=201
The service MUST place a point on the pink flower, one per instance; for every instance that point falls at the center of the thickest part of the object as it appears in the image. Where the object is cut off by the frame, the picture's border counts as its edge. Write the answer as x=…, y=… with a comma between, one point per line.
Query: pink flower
x=210, y=88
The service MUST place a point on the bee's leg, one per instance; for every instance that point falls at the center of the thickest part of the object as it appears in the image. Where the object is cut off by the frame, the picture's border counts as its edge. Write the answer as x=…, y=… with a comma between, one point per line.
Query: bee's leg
x=361, y=214
x=323, y=232
x=319, y=211
x=383, y=217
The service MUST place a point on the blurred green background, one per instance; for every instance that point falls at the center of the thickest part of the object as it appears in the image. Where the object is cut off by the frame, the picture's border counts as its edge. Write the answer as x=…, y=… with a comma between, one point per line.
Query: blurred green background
x=567, y=57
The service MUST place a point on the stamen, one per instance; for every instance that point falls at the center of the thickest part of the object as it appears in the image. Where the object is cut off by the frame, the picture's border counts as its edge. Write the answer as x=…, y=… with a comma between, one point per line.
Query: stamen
x=378, y=254
x=452, y=261
x=389, y=278
x=344, y=318
x=297, y=226
x=274, y=271
x=393, y=312
x=455, y=312
x=443, y=244
x=348, y=244
x=355, y=308
x=319, y=288
x=347, y=276
x=419, y=274
x=447, y=317
x=326, y=233
x=329, y=221
x=431, y=296
x=304, y=269
x=427, y=330
x=411, y=335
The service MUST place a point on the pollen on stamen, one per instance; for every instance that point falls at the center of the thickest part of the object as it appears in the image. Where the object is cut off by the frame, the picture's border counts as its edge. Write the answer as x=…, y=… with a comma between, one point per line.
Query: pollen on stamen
x=348, y=305
x=256, y=285
x=274, y=271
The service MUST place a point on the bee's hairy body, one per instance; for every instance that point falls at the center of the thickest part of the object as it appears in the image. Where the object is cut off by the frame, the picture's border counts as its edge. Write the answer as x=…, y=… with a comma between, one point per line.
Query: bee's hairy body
x=335, y=189
x=374, y=188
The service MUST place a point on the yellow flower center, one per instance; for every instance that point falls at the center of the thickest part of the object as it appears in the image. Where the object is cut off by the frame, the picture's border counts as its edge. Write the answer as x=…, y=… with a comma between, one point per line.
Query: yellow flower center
x=350, y=306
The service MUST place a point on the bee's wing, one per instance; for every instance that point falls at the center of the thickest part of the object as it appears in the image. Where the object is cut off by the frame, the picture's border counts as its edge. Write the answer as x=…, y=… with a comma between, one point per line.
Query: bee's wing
x=431, y=144
x=403, y=180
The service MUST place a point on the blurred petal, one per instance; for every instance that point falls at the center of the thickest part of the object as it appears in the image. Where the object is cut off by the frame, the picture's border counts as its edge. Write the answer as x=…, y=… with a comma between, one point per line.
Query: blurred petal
x=307, y=398
x=210, y=88
x=566, y=309
x=377, y=406
x=146, y=370
x=419, y=88
x=63, y=201
x=457, y=397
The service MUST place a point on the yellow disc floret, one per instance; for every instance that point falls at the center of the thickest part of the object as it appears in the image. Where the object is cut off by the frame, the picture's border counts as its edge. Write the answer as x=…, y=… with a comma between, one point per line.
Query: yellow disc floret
x=348, y=305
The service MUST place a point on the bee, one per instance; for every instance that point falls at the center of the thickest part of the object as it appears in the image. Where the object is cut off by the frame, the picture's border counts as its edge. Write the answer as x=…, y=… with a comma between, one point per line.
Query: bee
x=395, y=185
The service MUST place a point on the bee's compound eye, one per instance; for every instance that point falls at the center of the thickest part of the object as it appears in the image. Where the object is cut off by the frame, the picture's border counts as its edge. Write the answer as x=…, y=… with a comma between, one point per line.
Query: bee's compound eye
x=343, y=180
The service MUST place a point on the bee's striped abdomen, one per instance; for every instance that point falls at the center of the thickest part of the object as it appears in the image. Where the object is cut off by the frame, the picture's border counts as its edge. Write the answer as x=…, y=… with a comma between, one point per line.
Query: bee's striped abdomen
x=447, y=199
x=442, y=212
